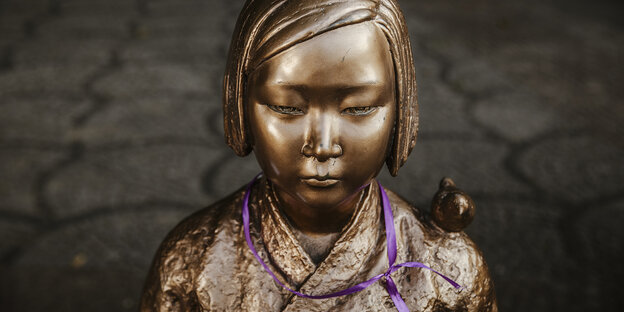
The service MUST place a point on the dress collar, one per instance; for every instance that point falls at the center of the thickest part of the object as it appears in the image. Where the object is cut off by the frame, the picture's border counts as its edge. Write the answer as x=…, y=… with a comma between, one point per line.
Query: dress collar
x=347, y=257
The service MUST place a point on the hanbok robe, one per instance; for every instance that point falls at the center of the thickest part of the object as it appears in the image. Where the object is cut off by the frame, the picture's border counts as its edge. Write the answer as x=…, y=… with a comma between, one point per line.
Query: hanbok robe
x=205, y=264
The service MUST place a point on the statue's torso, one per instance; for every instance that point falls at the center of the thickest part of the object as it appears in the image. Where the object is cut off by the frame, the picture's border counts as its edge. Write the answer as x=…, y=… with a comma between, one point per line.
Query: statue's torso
x=206, y=265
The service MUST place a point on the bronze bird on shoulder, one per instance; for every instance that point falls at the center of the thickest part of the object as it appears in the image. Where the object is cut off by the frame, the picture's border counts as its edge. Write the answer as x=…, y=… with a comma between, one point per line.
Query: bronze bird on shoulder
x=451, y=208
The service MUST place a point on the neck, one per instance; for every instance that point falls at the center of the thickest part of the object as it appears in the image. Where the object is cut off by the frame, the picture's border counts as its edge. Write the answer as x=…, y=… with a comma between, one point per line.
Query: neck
x=312, y=220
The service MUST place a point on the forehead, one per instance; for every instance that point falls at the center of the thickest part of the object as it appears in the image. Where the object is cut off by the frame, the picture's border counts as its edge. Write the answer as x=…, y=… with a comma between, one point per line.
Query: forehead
x=349, y=56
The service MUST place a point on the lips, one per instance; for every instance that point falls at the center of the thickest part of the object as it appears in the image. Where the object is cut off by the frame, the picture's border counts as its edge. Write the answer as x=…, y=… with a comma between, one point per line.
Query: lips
x=320, y=181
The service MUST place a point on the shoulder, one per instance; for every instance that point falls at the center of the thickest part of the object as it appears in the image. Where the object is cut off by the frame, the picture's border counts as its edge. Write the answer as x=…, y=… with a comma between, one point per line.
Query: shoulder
x=453, y=254
x=177, y=261
x=196, y=232
x=457, y=254
x=197, y=228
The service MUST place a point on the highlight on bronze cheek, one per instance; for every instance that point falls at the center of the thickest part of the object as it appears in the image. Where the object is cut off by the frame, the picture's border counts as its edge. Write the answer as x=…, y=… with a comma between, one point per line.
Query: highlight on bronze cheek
x=323, y=92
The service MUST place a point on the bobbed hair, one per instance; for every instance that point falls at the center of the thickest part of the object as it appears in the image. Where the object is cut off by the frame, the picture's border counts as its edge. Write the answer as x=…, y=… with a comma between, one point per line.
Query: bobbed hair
x=267, y=27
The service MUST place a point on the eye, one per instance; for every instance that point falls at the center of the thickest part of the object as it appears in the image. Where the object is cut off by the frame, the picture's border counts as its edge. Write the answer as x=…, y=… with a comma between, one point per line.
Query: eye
x=286, y=110
x=359, y=110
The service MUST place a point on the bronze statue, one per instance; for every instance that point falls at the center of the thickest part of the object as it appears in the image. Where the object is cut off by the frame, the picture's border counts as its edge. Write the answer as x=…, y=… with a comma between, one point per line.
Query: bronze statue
x=323, y=92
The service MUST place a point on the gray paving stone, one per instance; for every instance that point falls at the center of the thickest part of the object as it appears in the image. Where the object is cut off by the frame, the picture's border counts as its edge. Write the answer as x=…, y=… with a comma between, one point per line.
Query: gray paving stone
x=41, y=119
x=488, y=25
x=601, y=240
x=214, y=122
x=558, y=52
x=232, y=174
x=524, y=251
x=97, y=7
x=20, y=169
x=95, y=264
x=23, y=7
x=114, y=26
x=517, y=116
x=14, y=234
x=415, y=24
x=190, y=20
x=178, y=50
x=575, y=169
x=114, y=289
x=160, y=79
x=442, y=110
x=476, y=167
x=115, y=239
x=151, y=118
x=441, y=47
x=190, y=8
x=185, y=26
x=604, y=241
x=46, y=80
x=428, y=70
x=135, y=175
x=68, y=53
x=520, y=59
x=579, y=83
x=11, y=29
x=478, y=77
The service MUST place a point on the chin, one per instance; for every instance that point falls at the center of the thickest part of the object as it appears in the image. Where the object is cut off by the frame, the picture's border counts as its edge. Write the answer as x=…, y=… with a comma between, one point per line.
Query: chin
x=325, y=198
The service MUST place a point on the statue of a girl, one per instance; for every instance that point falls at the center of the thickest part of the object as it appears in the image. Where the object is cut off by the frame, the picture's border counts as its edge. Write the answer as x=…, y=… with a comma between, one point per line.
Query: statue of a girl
x=323, y=92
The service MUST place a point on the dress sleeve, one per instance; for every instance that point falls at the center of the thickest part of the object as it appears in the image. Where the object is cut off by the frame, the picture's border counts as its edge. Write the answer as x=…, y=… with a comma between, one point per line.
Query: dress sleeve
x=483, y=296
x=461, y=258
x=479, y=295
x=169, y=282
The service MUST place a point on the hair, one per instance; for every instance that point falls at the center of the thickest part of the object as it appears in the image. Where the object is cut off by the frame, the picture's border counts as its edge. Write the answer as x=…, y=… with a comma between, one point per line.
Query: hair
x=267, y=27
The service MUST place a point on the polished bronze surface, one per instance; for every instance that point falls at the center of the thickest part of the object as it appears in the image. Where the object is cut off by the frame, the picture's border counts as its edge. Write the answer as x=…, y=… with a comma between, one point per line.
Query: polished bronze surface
x=323, y=92
x=205, y=264
x=451, y=208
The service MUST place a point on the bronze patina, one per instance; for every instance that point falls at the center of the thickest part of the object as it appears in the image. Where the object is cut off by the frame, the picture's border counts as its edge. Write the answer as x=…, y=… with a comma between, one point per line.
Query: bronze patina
x=323, y=93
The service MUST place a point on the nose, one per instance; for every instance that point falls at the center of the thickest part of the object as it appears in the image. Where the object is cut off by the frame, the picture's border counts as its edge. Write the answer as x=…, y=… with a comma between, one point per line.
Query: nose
x=322, y=138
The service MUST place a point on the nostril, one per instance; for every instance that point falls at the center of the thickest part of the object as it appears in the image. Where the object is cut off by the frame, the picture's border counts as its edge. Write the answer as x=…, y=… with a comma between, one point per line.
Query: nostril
x=321, y=151
x=307, y=150
x=336, y=150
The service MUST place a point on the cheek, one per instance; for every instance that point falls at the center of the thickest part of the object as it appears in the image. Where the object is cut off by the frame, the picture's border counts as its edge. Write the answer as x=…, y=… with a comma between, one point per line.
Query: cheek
x=272, y=134
x=276, y=142
x=371, y=137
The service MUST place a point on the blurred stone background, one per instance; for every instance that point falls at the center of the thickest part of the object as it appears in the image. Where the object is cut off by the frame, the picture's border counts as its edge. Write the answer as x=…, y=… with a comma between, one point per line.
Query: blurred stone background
x=111, y=132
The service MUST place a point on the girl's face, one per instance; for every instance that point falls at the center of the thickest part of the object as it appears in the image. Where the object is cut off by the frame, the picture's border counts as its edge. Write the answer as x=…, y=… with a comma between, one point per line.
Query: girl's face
x=322, y=115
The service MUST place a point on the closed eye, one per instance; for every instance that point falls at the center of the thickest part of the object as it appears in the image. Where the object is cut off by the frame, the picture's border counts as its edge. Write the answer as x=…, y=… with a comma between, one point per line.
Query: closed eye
x=359, y=110
x=286, y=110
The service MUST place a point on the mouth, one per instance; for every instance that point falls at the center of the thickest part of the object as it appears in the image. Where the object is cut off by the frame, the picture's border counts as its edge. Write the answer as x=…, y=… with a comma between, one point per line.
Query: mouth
x=320, y=181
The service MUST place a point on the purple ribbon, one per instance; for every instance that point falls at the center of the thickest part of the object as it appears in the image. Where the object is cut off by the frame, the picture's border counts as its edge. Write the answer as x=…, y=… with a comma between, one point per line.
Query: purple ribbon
x=392, y=254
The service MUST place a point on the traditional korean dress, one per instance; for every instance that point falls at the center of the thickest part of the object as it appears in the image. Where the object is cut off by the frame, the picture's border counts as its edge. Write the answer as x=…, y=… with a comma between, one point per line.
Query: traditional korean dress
x=205, y=263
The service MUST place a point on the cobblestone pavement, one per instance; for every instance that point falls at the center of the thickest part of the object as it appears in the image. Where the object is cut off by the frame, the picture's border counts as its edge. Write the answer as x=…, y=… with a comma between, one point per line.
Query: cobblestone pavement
x=111, y=132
